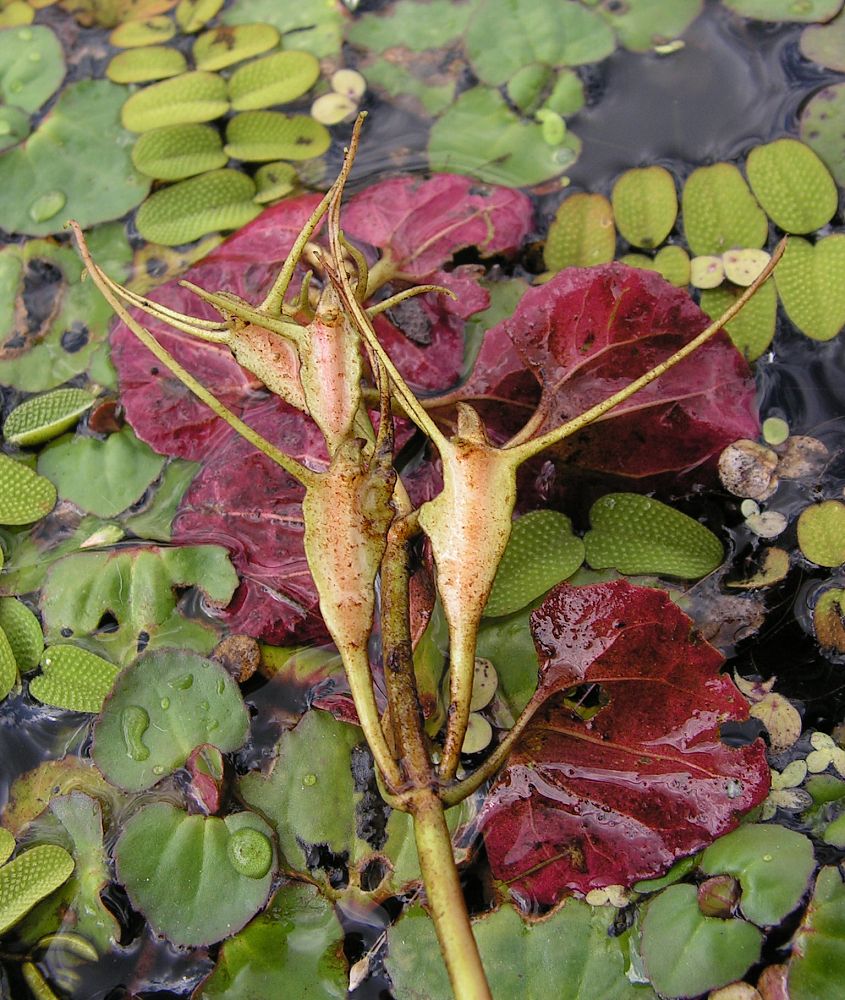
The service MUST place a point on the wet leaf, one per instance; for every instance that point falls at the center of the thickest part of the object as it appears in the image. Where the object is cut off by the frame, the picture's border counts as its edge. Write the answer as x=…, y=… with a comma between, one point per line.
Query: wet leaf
x=645, y=205
x=42, y=418
x=720, y=212
x=23, y=631
x=219, y=199
x=642, y=25
x=155, y=519
x=314, y=25
x=191, y=97
x=410, y=25
x=749, y=469
x=753, y=330
x=821, y=533
x=100, y=477
x=571, y=954
x=32, y=875
x=191, y=15
x=73, y=679
x=564, y=814
x=582, y=233
x=541, y=551
x=270, y=135
x=224, y=46
x=781, y=719
x=24, y=496
x=828, y=619
x=686, y=953
x=479, y=135
x=275, y=79
x=14, y=126
x=636, y=534
x=807, y=282
x=188, y=887
x=149, y=31
x=163, y=706
x=821, y=127
x=815, y=968
x=785, y=10
x=154, y=62
x=295, y=947
x=134, y=587
x=32, y=66
x=792, y=184
x=75, y=165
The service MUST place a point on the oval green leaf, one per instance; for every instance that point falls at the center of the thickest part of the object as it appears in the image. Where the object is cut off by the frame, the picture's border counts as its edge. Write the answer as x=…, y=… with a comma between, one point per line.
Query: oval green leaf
x=269, y=135
x=73, y=679
x=821, y=533
x=191, y=97
x=636, y=534
x=224, y=46
x=24, y=496
x=175, y=152
x=31, y=877
x=177, y=872
x=149, y=31
x=792, y=184
x=219, y=199
x=274, y=181
x=163, y=706
x=8, y=666
x=155, y=62
x=822, y=126
x=541, y=551
x=785, y=10
x=23, y=632
x=645, y=205
x=42, y=418
x=274, y=79
x=191, y=15
x=753, y=328
x=808, y=280
x=582, y=233
x=720, y=211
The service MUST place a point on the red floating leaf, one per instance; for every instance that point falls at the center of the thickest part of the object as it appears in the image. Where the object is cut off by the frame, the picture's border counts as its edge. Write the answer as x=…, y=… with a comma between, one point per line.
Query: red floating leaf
x=586, y=334
x=621, y=795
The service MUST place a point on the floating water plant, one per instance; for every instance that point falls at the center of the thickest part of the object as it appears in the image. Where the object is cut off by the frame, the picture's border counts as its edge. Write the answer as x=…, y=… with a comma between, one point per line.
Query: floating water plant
x=274, y=79
x=32, y=66
x=198, y=96
x=42, y=418
x=73, y=678
x=175, y=152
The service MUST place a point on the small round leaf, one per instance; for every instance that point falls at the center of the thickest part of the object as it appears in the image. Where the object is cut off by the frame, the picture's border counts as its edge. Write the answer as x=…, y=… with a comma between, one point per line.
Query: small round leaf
x=32, y=66
x=645, y=205
x=821, y=533
x=582, y=233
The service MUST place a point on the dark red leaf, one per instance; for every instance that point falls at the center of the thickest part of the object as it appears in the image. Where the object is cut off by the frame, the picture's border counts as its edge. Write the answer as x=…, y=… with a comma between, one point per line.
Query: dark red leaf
x=645, y=780
x=421, y=225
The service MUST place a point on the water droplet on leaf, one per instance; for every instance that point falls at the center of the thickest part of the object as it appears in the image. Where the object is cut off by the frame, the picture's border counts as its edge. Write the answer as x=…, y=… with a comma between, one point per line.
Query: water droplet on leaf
x=47, y=205
x=136, y=721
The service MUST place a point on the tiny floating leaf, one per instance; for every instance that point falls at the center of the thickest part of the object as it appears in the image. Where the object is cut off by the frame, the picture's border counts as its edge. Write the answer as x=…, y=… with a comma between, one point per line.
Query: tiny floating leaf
x=792, y=184
x=192, y=97
x=582, y=233
x=150, y=31
x=785, y=10
x=821, y=533
x=332, y=108
x=250, y=852
x=219, y=199
x=224, y=46
x=42, y=418
x=743, y=266
x=73, y=678
x=275, y=79
x=23, y=632
x=155, y=62
x=274, y=181
x=175, y=152
x=24, y=496
x=808, y=280
x=636, y=534
x=645, y=205
x=706, y=271
x=720, y=212
x=269, y=135
x=31, y=877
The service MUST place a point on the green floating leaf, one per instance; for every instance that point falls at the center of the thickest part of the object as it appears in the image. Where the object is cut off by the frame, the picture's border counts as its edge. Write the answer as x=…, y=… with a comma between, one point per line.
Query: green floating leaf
x=808, y=282
x=773, y=865
x=641, y=25
x=155, y=62
x=582, y=233
x=479, y=135
x=219, y=199
x=275, y=79
x=822, y=127
x=570, y=954
x=175, y=152
x=269, y=135
x=274, y=181
x=720, y=212
x=538, y=31
x=23, y=631
x=16, y=13
x=101, y=477
x=73, y=679
x=821, y=533
x=75, y=165
x=32, y=66
x=44, y=417
x=7, y=845
x=399, y=82
x=785, y=10
x=14, y=126
x=686, y=953
x=315, y=25
x=825, y=44
x=222, y=47
x=753, y=328
x=135, y=586
x=25, y=881
x=191, y=97
x=815, y=968
x=149, y=31
x=792, y=184
x=163, y=706
x=177, y=872
x=155, y=519
x=672, y=262
x=410, y=25
x=191, y=15
x=24, y=496
x=636, y=534
x=541, y=551
x=645, y=205
x=294, y=948
x=8, y=666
